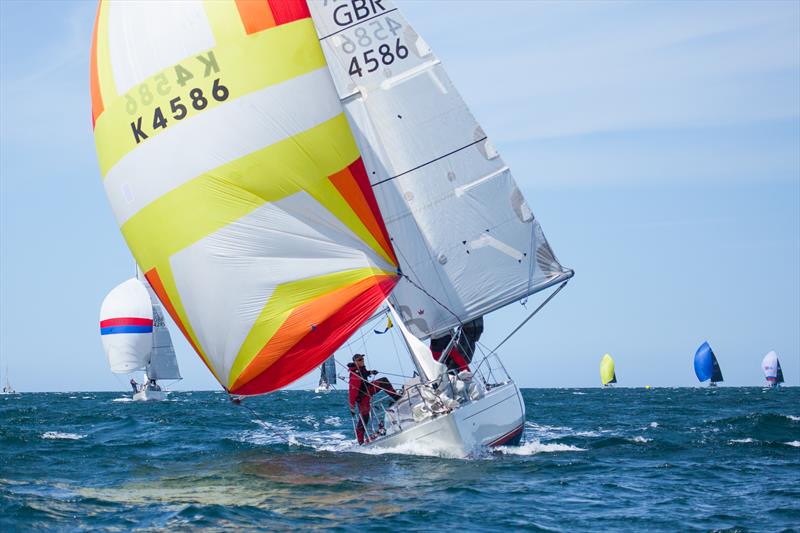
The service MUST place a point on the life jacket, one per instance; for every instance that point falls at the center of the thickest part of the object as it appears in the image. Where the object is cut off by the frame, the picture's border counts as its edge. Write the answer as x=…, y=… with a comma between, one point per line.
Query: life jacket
x=359, y=384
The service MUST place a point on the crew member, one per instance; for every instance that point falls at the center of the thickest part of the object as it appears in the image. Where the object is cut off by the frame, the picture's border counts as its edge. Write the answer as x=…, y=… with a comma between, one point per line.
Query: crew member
x=362, y=390
x=461, y=354
x=134, y=386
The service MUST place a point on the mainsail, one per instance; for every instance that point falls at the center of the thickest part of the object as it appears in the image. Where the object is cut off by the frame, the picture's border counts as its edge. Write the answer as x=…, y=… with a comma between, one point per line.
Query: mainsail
x=327, y=373
x=464, y=235
x=218, y=128
x=607, y=373
x=126, y=327
x=163, y=363
x=772, y=368
x=705, y=364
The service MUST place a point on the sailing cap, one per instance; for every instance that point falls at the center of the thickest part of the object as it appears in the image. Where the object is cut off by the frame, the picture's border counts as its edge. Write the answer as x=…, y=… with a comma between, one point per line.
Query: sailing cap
x=358, y=356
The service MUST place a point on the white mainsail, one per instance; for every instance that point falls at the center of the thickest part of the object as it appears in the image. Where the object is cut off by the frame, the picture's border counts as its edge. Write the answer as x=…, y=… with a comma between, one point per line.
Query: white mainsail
x=461, y=228
x=126, y=327
x=163, y=363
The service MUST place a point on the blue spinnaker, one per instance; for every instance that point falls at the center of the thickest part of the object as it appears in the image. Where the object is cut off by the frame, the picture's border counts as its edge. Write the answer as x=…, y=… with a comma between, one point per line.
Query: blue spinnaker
x=705, y=364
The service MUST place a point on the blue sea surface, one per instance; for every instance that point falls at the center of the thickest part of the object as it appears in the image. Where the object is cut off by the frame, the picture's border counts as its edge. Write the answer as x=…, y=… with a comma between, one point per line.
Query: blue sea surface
x=591, y=460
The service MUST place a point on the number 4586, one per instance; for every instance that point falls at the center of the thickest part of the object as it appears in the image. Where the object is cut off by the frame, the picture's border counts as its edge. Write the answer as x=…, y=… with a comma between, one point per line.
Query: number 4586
x=371, y=59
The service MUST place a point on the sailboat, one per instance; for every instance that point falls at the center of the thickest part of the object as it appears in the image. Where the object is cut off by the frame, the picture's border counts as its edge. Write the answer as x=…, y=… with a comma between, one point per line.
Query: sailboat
x=301, y=163
x=135, y=338
x=772, y=370
x=7, y=388
x=607, y=373
x=327, y=375
x=706, y=366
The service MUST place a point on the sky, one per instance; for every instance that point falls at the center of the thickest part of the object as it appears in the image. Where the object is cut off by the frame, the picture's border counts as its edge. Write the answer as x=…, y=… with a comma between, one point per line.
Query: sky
x=658, y=144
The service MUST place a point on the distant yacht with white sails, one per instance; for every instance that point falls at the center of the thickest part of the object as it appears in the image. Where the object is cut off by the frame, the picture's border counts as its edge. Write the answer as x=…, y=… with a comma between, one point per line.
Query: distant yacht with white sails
x=135, y=337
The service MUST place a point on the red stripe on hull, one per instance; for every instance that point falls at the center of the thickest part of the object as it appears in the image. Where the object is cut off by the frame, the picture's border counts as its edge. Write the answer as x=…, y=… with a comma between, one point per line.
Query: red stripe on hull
x=508, y=436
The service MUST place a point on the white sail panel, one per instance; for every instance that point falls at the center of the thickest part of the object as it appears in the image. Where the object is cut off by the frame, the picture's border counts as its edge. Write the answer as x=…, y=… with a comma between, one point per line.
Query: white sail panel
x=770, y=365
x=163, y=364
x=126, y=327
x=428, y=368
x=460, y=226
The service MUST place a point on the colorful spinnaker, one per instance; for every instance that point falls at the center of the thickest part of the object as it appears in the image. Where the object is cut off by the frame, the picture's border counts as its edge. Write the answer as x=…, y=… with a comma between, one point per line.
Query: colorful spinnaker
x=218, y=128
x=772, y=368
x=705, y=364
x=607, y=373
x=126, y=327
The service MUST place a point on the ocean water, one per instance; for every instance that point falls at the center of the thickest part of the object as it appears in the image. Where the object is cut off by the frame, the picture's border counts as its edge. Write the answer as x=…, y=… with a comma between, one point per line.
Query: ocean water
x=591, y=460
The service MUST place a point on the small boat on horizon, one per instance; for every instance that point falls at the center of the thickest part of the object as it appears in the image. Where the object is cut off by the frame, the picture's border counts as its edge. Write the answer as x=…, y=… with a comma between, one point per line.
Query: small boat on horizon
x=706, y=366
x=772, y=370
x=608, y=375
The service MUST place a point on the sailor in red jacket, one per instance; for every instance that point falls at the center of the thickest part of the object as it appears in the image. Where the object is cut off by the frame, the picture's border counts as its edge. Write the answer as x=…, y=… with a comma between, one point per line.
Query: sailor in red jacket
x=362, y=390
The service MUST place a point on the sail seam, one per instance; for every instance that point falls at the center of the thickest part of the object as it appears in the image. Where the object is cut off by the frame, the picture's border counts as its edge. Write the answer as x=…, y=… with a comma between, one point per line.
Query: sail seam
x=431, y=161
x=362, y=21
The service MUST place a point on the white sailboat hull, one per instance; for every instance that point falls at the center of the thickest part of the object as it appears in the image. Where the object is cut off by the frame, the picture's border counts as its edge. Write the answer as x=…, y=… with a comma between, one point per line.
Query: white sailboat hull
x=494, y=420
x=150, y=395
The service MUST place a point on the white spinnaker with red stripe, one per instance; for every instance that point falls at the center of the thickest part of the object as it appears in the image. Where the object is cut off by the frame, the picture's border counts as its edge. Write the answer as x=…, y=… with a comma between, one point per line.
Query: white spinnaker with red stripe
x=126, y=327
x=460, y=226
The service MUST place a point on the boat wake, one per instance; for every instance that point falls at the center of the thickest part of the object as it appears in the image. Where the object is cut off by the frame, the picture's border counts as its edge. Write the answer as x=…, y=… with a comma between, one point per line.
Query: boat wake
x=536, y=447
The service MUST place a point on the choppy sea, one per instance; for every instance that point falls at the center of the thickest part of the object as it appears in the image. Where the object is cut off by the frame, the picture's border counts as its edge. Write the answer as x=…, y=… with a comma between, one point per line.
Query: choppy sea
x=591, y=460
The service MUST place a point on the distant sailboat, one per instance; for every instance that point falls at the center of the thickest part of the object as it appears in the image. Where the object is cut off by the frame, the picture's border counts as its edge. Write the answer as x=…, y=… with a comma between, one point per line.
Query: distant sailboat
x=607, y=373
x=706, y=366
x=327, y=375
x=7, y=388
x=135, y=337
x=772, y=370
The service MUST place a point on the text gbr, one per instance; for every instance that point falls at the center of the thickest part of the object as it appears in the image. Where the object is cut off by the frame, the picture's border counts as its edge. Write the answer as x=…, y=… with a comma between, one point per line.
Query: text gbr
x=356, y=10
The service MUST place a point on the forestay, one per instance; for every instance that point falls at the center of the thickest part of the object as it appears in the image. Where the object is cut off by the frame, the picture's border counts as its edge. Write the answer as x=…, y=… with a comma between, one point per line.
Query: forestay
x=460, y=226
x=237, y=184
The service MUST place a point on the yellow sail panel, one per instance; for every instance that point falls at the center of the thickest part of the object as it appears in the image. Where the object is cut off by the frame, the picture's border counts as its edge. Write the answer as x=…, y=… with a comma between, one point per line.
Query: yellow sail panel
x=237, y=183
x=607, y=374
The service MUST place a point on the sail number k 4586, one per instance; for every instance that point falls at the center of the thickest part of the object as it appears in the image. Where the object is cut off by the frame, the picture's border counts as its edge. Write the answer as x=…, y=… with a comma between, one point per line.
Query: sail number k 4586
x=175, y=94
x=179, y=107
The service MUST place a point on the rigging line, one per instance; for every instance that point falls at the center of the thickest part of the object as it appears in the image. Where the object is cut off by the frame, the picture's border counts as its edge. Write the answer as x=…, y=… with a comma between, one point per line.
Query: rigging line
x=432, y=297
x=529, y=316
x=431, y=161
x=239, y=400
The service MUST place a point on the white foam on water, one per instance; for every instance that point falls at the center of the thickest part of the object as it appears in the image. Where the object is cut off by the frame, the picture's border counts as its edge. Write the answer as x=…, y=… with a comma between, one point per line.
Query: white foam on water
x=741, y=441
x=653, y=424
x=122, y=399
x=640, y=439
x=795, y=443
x=793, y=418
x=534, y=447
x=579, y=393
x=59, y=435
x=333, y=421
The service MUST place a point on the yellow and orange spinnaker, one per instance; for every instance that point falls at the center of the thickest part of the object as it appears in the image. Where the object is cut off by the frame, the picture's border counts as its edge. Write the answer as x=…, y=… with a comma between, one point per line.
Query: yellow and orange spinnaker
x=236, y=181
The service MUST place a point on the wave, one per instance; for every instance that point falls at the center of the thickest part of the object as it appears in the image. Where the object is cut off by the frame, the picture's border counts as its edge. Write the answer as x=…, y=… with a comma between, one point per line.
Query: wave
x=793, y=418
x=748, y=440
x=59, y=435
x=126, y=399
x=640, y=439
x=534, y=447
x=794, y=443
